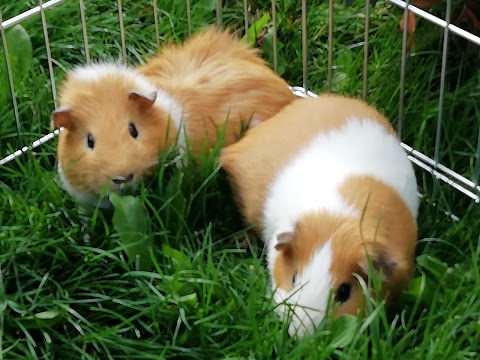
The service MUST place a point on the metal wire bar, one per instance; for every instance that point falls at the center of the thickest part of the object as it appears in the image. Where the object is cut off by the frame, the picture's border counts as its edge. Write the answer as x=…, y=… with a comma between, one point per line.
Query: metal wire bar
x=219, y=12
x=304, y=44
x=476, y=175
x=245, y=16
x=437, y=21
x=84, y=31
x=10, y=82
x=24, y=149
x=155, y=19
x=189, y=18
x=365, y=49
x=49, y=54
x=468, y=186
x=403, y=63
x=444, y=178
x=122, y=31
x=274, y=35
x=29, y=13
x=457, y=181
x=443, y=73
x=330, y=46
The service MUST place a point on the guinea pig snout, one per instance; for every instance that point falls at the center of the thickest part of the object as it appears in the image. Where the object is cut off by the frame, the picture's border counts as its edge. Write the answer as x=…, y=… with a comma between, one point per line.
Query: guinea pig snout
x=117, y=180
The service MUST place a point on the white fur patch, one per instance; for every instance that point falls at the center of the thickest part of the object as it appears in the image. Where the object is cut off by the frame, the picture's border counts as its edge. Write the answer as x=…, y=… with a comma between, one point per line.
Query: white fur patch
x=79, y=196
x=311, y=182
x=309, y=297
x=254, y=122
x=101, y=70
x=165, y=101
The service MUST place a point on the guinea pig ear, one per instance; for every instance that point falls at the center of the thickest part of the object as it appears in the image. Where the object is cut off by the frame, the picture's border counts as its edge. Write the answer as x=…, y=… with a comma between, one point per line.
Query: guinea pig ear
x=285, y=241
x=62, y=117
x=380, y=260
x=144, y=101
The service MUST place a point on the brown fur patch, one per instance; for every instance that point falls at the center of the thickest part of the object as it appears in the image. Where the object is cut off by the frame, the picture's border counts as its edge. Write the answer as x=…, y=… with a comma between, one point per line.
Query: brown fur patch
x=253, y=162
x=115, y=153
x=385, y=230
x=214, y=76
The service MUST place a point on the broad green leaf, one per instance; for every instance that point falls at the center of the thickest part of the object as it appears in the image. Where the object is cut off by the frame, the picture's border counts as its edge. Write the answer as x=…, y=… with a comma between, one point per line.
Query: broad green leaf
x=435, y=266
x=42, y=319
x=20, y=56
x=19, y=50
x=344, y=329
x=255, y=29
x=132, y=223
x=174, y=254
x=421, y=288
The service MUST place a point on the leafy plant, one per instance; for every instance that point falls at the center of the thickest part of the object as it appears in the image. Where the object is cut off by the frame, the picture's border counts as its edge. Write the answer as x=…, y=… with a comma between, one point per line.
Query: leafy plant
x=20, y=51
x=132, y=224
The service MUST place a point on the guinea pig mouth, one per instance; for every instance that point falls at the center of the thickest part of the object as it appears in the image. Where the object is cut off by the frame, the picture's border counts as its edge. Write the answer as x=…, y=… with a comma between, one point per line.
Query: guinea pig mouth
x=118, y=180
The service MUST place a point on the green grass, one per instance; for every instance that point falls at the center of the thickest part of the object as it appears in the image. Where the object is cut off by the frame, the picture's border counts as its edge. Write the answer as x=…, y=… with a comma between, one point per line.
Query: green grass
x=68, y=288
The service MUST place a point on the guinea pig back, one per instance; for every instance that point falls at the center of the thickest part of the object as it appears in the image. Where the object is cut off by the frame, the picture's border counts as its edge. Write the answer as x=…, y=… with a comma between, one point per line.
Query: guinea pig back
x=117, y=119
x=330, y=190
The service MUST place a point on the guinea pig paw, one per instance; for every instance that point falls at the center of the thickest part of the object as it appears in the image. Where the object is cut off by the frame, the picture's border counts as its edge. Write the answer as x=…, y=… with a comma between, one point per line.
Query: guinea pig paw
x=300, y=327
x=254, y=122
x=279, y=295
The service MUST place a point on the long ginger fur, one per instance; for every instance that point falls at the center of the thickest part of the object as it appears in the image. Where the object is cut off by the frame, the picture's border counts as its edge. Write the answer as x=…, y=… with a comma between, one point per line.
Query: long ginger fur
x=187, y=93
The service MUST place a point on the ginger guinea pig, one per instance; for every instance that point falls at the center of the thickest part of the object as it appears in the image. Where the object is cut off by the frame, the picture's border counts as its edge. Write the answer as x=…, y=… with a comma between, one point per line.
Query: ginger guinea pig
x=117, y=119
x=328, y=186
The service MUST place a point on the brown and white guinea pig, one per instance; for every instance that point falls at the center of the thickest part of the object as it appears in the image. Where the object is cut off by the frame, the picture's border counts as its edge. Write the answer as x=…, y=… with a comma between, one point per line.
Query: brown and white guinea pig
x=330, y=190
x=116, y=119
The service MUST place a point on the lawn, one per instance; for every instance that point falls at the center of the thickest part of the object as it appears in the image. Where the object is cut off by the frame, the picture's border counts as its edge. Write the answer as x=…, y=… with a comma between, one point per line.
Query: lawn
x=68, y=286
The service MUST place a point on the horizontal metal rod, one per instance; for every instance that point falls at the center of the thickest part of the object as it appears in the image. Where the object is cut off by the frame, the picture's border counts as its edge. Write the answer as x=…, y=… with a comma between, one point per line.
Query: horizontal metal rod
x=35, y=144
x=29, y=13
x=437, y=21
x=440, y=167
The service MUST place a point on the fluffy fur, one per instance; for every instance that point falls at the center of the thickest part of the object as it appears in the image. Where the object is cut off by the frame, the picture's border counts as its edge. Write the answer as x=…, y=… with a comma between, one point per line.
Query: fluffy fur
x=183, y=95
x=338, y=190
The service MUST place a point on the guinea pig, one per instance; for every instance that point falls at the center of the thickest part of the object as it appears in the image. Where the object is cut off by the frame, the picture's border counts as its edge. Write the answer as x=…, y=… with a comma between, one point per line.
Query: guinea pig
x=117, y=119
x=327, y=185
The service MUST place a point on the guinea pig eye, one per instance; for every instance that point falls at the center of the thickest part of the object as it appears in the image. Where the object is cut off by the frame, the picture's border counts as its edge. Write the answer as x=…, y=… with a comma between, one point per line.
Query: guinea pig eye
x=90, y=141
x=343, y=293
x=133, y=130
x=294, y=278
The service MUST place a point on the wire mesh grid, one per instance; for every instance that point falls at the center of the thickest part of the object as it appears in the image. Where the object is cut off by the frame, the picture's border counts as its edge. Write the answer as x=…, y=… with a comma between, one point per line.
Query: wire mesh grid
x=430, y=162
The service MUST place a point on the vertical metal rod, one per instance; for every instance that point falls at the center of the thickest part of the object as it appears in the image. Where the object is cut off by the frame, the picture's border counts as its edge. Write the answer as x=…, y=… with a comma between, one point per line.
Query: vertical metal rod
x=330, y=46
x=365, y=49
x=401, y=96
x=245, y=16
x=219, y=13
x=49, y=53
x=84, y=31
x=275, y=49
x=442, y=85
x=10, y=82
x=304, y=44
x=189, y=18
x=476, y=174
x=155, y=19
x=122, y=31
